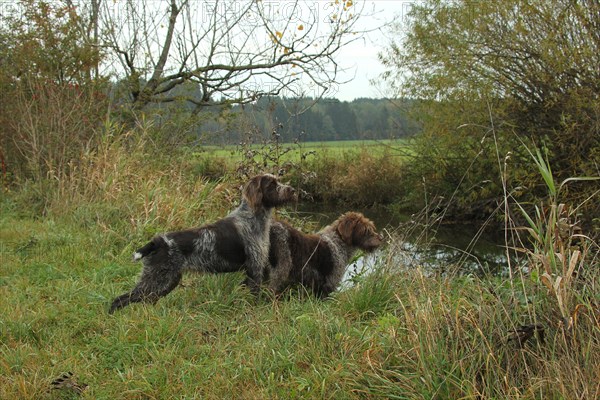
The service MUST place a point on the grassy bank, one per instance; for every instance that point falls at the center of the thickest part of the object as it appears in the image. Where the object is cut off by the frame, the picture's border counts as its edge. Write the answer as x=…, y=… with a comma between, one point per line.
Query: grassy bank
x=355, y=173
x=398, y=333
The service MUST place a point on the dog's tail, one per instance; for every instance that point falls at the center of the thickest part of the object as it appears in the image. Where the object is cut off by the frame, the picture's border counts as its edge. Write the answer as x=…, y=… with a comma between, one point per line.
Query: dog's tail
x=147, y=249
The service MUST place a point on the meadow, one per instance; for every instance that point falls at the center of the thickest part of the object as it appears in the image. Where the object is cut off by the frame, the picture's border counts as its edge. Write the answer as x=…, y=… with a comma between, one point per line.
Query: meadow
x=399, y=332
x=299, y=157
x=353, y=173
x=294, y=151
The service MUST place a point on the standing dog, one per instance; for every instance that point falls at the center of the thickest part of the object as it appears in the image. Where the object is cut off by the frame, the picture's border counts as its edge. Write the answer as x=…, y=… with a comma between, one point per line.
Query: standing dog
x=236, y=242
x=318, y=261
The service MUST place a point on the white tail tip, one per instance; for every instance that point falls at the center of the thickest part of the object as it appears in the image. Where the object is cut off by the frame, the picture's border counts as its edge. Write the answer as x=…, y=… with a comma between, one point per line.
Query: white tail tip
x=137, y=256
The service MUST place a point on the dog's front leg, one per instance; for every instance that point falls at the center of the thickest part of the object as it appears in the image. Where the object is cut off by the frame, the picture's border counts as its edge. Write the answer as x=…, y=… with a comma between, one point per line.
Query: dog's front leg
x=254, y=276
x=256, y=262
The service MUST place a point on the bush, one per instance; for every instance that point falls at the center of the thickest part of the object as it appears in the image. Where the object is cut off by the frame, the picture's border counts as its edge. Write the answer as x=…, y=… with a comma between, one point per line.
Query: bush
x=493, y=76
x=364, y=178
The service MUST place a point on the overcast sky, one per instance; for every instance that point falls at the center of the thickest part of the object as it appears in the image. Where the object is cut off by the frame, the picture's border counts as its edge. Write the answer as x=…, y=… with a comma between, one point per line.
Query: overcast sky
x=361, y=56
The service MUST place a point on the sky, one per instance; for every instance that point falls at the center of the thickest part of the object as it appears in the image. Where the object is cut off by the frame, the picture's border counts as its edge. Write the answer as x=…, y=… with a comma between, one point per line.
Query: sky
x=360, y=57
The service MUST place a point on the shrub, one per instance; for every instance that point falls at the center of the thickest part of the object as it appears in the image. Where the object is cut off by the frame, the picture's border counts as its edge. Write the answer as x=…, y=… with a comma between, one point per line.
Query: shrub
x=364, y=178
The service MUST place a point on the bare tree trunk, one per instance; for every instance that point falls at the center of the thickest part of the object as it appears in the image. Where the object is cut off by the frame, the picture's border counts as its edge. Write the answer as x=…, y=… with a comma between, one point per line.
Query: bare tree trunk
x=146, y=94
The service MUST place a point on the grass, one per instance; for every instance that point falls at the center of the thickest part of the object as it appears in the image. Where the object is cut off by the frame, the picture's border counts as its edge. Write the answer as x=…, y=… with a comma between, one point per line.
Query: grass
x=330, y=147
x=306, y=154
x=399, y=332
x=396, y=334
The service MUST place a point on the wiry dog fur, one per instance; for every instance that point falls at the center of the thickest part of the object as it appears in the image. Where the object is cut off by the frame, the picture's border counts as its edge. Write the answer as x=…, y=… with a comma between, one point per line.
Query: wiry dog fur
x=318, y=261
x=239, y=241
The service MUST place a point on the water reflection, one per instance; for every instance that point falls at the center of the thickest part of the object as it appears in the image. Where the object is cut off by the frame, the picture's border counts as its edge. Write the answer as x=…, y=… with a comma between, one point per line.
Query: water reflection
x=456, y=248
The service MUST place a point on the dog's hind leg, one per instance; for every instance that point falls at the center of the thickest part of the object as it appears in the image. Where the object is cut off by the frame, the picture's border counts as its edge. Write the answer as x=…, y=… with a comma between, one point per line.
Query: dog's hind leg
x=155, y=282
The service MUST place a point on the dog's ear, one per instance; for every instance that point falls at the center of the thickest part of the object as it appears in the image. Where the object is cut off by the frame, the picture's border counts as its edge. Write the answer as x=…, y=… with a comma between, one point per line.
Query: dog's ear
x=252, y=192
x=345, y=227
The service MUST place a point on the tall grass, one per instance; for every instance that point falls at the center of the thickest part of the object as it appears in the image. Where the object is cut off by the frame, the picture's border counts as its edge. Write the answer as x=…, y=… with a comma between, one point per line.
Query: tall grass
x=560, y=256
x=127, y=184
x=397, y=333
x=357, y=177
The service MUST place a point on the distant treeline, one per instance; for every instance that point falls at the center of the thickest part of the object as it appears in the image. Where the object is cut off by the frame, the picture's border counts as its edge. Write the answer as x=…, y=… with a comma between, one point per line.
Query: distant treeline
x=305, y=119
x=308, y=120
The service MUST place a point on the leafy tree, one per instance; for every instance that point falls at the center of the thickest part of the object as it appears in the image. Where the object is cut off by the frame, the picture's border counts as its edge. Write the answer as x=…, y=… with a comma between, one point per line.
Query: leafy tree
x=57, y=102
x=493, y=75
x=42, y=40
x=344, y=119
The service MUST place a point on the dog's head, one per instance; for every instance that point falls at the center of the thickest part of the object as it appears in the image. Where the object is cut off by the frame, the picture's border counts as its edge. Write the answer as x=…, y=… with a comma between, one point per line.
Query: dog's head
x=265, y=191
x=358, y=231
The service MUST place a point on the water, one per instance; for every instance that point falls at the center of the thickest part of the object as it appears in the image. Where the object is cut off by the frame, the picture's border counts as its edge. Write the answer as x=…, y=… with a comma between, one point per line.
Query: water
x=456, y=248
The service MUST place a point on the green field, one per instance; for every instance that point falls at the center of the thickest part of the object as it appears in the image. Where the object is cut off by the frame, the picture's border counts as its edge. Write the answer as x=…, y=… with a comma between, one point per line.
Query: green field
x=293, y=151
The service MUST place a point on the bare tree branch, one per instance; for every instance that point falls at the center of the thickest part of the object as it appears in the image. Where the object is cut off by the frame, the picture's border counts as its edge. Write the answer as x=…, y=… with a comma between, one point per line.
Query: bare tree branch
x=238, y=51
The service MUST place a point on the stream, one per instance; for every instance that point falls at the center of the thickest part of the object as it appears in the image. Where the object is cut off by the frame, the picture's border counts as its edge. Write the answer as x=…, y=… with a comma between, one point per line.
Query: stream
x=443, y=248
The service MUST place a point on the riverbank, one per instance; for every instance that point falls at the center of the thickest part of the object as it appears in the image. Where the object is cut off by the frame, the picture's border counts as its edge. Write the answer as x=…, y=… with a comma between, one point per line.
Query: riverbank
x=401, y=330
x=394, y=333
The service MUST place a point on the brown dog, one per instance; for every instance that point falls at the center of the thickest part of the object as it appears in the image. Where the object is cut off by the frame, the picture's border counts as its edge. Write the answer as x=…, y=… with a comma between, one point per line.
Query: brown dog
x=318, y=261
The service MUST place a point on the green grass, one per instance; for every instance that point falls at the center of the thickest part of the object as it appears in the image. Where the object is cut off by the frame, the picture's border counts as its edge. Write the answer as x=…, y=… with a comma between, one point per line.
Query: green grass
x=396, y=334
x=328, y=148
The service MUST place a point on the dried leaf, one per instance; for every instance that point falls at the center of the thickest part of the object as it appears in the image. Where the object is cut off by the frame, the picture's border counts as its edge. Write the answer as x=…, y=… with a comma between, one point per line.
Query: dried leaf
x=573, y=263
x=526, y=332
x=67, y=381
x=546, y=263
x=546, y=279
x=558, y=284
x=561, y=257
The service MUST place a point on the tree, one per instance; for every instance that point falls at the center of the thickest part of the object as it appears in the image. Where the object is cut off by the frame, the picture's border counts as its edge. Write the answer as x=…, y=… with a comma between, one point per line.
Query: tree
x=57, y=103
x=343, y=117
x=43, y=41
x=237, y=51
x=529, y=68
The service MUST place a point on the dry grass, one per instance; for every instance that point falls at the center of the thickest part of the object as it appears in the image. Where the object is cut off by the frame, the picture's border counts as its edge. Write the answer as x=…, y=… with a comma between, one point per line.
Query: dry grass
x=359, y=178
